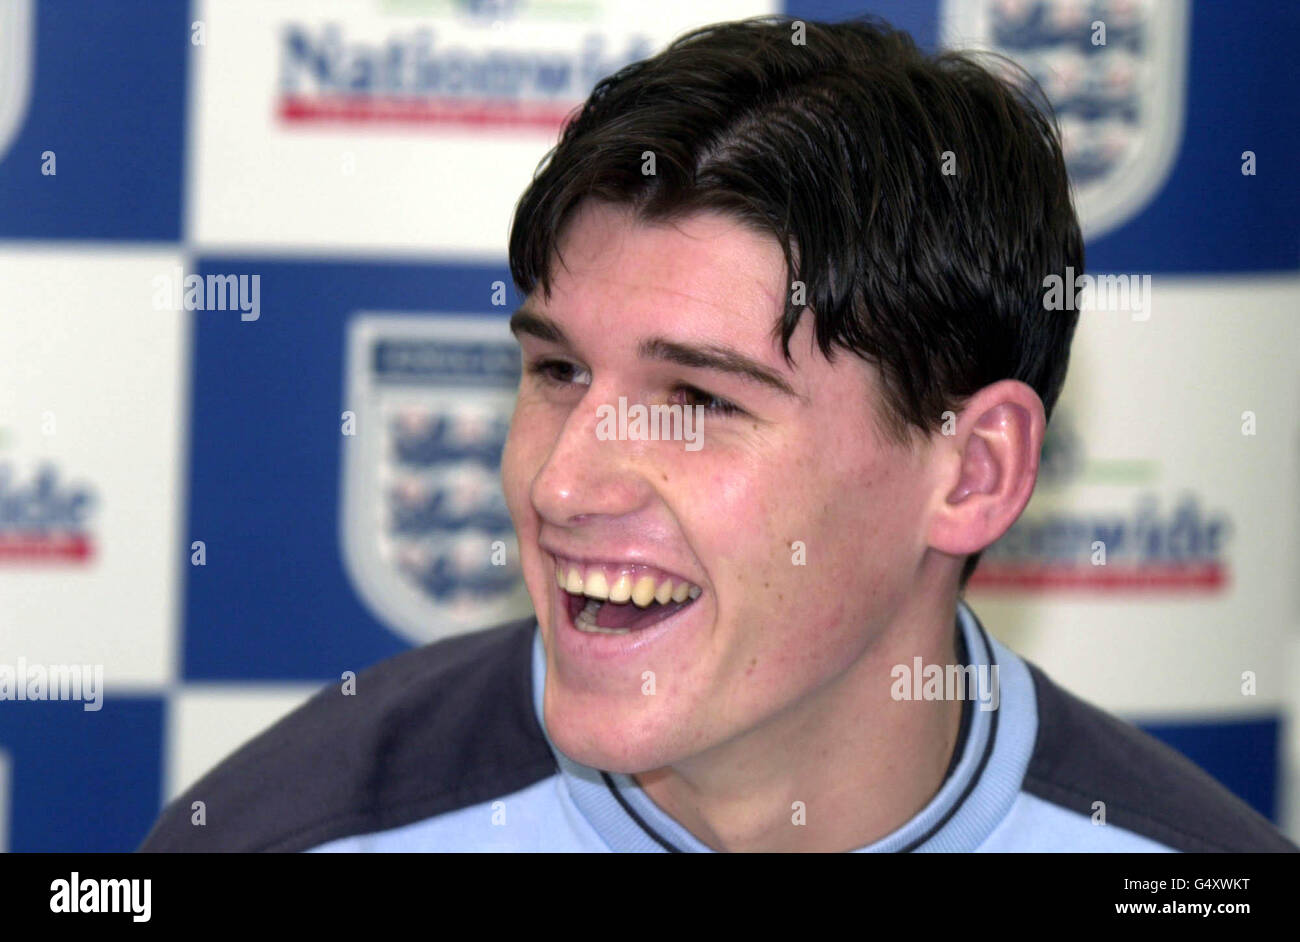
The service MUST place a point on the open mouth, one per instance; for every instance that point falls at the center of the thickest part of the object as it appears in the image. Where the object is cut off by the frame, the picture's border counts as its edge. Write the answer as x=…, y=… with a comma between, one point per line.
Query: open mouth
x=620, y=602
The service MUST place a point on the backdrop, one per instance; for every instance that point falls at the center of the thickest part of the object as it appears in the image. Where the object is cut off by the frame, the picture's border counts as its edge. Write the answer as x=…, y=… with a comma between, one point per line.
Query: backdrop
x=254, y=376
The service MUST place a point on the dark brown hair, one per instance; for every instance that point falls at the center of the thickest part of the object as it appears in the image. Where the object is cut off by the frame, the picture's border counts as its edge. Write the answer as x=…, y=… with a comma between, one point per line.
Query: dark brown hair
x=838, y=148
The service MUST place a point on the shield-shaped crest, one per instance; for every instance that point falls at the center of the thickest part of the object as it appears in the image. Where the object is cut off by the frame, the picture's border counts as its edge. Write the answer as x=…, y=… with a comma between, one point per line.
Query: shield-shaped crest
x=1115, y=72
x=17, y=58
x=426, y=537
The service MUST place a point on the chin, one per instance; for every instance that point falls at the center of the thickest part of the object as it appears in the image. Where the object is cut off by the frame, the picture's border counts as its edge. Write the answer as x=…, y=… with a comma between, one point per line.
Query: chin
x=612, y=741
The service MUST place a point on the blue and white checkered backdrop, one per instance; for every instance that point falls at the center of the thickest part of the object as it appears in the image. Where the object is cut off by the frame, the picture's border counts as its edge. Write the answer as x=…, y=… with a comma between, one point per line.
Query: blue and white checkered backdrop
x=223, y=502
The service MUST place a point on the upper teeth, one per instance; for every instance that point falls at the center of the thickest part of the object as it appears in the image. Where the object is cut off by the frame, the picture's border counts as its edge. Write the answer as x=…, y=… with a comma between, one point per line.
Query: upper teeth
x=637, y=586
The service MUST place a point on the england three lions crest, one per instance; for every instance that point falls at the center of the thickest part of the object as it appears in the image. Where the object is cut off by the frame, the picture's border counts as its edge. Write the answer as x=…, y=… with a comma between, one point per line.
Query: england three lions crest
x=1115, y=72
x=426, y=538
x=17, y=59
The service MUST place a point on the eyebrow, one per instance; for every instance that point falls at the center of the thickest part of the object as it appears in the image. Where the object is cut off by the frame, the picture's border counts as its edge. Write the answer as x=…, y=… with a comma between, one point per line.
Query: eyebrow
x=708, y=356
x=526, y=321
x=714, y=357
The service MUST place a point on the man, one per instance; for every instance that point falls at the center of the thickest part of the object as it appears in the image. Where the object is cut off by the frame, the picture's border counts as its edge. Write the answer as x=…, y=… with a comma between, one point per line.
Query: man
x=823, y=255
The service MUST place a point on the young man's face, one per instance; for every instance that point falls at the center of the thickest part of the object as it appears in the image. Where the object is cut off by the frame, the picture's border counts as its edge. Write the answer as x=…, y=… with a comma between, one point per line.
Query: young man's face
x=801, y=527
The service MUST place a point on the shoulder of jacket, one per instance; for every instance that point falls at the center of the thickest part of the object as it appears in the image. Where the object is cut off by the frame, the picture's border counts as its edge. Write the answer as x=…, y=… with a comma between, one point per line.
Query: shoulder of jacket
x=425, y=732
x=1083, y=754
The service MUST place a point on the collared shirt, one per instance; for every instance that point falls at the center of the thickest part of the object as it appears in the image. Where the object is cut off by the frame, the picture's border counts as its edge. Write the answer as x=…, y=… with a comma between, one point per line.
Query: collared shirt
x=444, y=748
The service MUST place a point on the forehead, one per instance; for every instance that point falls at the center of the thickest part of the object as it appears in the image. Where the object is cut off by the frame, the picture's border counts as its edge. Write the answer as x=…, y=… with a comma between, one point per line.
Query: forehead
x=705, y=271
x=706, y=279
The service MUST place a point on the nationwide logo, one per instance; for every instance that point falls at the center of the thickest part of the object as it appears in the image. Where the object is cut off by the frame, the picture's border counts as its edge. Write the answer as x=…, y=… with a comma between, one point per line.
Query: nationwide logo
x=1148, y=542
x=1115, y=73
x=1145, y=549
x=417, y=77
x=43, y=519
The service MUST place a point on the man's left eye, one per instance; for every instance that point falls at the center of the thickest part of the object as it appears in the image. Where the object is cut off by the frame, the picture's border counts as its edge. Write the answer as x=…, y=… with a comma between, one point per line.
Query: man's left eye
x=560, y=372
x=698, y=397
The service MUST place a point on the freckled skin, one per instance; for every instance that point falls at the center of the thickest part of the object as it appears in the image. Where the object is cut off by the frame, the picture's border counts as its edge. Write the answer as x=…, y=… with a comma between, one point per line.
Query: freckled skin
x=767, y=662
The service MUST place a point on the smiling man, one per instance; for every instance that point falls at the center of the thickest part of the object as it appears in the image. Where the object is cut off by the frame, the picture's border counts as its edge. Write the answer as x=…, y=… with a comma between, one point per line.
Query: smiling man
x=752, y=692
x=832, y=251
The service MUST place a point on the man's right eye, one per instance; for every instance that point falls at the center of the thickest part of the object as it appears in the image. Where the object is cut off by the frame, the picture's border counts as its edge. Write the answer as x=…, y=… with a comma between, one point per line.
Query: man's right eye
x=560, y=372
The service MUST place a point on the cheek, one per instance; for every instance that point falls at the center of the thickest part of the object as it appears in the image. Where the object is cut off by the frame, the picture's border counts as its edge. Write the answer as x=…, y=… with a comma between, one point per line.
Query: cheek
x=767, y=516
x=824, y=544
x=514, y=471
x=522, y=458
x=724, y=508
x=743, y=517
x=525, y=452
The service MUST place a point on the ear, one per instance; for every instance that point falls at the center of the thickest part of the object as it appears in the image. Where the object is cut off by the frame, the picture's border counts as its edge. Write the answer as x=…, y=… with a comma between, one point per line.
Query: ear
x=989, y=467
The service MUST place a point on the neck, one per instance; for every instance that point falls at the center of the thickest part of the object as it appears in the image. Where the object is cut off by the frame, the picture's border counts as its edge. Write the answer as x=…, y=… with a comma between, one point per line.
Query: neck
x=839, y=769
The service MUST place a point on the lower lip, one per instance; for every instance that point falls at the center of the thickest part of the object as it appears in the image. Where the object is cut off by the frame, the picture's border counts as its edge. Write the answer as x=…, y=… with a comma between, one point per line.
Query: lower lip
x=598, y=646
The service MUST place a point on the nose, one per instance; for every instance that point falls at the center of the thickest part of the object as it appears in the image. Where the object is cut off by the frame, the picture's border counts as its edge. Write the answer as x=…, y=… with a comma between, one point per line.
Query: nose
x=585, y=476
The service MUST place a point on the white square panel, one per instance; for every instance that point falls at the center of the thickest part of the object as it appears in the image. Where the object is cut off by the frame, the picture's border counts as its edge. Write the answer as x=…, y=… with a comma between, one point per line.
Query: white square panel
x=262, y=177
x=91, y=438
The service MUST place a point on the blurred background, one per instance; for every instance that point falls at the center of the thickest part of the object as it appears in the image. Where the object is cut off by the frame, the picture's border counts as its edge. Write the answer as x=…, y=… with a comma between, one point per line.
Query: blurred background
x=212, y=501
